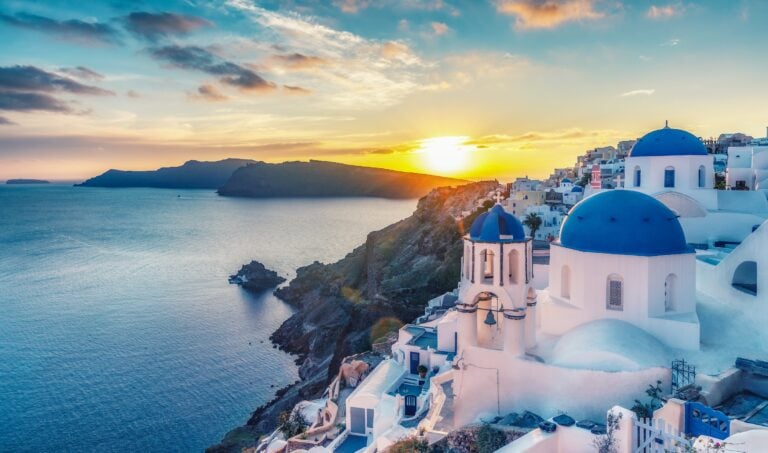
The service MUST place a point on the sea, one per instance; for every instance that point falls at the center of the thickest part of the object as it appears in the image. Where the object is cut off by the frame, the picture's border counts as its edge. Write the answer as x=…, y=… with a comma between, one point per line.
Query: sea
x=118, y=328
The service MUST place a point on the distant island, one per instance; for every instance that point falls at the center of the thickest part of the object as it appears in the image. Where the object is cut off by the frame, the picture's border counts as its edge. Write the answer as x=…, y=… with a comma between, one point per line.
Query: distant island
x=192, y=175
x=328, y=179
x=27, y=181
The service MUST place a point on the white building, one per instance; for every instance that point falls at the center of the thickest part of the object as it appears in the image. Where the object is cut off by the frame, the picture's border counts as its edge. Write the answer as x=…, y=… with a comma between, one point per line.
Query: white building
x=747, y=168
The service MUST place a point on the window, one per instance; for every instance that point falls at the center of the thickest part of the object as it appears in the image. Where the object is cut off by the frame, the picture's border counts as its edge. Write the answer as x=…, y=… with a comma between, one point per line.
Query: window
x=745, y=278
x=487, y=256
x=467, y=262
x=615, y=293
x=669, y=177
x=702, y=176
x=565, y=282
x=638, y=175
x=514, y=259
x=669, y=292
x=369, y=417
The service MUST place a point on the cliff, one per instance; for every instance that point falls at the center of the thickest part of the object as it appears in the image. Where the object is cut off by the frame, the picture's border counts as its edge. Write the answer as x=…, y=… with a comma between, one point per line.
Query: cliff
x=394, y=274
x=328, y=179
x=192, y=175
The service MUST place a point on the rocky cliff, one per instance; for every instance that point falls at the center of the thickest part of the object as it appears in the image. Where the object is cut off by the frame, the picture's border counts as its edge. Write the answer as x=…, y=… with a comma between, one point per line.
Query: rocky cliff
x=393, y=274
x=328, y=179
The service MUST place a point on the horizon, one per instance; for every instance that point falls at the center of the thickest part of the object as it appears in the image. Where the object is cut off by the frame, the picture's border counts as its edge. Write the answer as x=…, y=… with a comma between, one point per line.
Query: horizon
x=470, y=90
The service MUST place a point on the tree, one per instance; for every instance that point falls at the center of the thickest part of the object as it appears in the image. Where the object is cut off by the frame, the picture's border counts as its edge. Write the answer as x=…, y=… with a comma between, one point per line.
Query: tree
x=533, y=222
x=608, y=443
x=292, y=423
x=645, y=410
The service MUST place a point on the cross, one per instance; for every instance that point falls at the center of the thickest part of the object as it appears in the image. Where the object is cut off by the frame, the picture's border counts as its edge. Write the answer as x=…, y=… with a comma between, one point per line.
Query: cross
x=498, y=197
x=618, y=181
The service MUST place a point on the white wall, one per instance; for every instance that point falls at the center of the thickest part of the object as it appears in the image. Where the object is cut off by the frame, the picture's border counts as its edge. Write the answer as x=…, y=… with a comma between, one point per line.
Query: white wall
x=686, y=176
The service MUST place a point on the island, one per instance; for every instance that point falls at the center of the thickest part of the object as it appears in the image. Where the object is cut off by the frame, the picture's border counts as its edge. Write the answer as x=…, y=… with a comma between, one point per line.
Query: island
x=192, y=175
x=27, y=181
x=328, y=179
x=255, y=277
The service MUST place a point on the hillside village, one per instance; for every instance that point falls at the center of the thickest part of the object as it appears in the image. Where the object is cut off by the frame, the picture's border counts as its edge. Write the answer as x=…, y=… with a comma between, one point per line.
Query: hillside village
x=630, y=319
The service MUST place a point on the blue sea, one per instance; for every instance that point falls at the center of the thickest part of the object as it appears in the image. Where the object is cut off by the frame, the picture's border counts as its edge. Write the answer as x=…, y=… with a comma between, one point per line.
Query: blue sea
x=118, y=329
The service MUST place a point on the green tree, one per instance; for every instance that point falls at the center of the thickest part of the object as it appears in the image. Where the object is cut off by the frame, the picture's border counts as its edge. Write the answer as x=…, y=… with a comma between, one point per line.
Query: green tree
x=533, y=222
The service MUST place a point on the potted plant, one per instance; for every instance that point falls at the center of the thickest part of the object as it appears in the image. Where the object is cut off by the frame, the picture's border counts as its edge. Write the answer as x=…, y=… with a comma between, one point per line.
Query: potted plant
x=422, y=371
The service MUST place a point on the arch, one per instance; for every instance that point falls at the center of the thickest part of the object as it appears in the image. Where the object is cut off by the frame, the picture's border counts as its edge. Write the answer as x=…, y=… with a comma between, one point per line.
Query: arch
x=669, y=177
x=745, y=278
x=565, y=282
x=670, y=293
x=614, y=292
x=702, y=176
x=467, y=262
x=488, y=265
x=514, y=267
x=638, y=176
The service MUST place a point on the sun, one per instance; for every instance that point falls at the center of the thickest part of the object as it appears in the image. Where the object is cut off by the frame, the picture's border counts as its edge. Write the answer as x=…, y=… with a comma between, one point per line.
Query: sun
x=446, y=155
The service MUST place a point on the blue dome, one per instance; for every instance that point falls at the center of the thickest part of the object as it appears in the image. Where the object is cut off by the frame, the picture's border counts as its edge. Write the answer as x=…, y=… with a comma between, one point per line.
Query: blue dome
x=491, y=225
x=623, y=222
x=565, y=180
x=577, y=189
x=668, y=142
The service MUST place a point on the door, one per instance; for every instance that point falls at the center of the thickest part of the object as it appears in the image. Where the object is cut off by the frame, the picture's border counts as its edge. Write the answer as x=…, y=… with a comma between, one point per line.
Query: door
x=410, y=405
x=357, y=416
x=415, y=363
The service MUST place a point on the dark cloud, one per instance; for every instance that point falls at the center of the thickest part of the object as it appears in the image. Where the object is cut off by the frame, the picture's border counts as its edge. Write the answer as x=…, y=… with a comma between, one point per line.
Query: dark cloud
x=25, y=102
x=81, y=72
x=209, y=92
x=132, y=94
x=154, y=26
x=296, y=90
x=199, y=59
x=298, y=61
x=31, y=78
x=6, y=122
x=73, y=29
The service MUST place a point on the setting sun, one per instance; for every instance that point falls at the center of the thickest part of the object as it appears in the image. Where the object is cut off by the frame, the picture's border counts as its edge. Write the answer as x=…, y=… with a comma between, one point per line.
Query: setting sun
x=446, y=155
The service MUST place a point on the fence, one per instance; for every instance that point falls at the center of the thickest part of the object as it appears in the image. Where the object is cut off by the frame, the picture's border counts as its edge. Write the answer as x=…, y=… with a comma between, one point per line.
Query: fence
x=683, y=373
x=656, y=436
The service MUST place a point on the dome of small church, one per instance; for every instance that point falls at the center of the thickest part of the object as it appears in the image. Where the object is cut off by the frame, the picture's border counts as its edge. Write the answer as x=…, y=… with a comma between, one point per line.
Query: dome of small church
x=577, y=189
x=496, y=225
x=623, y=222
x=668, y=142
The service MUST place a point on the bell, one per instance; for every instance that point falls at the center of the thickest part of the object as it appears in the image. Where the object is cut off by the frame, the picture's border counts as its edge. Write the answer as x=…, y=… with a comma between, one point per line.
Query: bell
x=490, y=319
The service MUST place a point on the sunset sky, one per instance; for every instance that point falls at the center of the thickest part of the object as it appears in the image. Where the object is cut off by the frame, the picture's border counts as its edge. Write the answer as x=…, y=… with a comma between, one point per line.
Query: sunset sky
x=473, y=89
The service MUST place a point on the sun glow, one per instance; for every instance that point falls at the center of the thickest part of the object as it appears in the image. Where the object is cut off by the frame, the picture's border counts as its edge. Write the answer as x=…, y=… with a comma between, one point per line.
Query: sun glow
x=446, y=155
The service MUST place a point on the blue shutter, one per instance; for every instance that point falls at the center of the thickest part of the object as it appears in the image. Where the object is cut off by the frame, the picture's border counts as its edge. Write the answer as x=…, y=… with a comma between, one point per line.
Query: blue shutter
x=669, y=178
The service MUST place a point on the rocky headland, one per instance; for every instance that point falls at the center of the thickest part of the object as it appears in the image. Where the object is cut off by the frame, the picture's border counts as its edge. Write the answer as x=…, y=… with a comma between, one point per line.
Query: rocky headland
x=392, y=275
x=255, y=277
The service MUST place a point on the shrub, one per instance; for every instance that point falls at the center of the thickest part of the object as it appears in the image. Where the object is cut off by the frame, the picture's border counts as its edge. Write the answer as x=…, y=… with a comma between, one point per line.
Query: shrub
x=409, y=445
x=292, y=423
x=490, y=439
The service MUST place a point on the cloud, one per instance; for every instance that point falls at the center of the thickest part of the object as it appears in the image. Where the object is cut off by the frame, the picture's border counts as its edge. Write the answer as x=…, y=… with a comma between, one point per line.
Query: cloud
x=439, y=28
x=73, y=30
x=31, y=78
x=6, y=122
x=664, y=12
x=671, y=43
x=298, y=61
x=531, y=14
x=208, y=92
x=643, y=92
x=81, y=72
x=154, y=26
x=132, y=94
x=199, y=59
x=296, y=90
x=552, y=136
x=350, y=6
x=25, y=101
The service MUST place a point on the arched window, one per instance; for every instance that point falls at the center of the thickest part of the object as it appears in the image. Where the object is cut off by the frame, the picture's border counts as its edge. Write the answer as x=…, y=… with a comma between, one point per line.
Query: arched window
x=670, y=288
x=702, y=176
x=669, y=177
x=745, y=277
x=467, y=262
x=514, y=267
x=638, y=176
x=565, y=282
x=487, y=256
x=614, y=293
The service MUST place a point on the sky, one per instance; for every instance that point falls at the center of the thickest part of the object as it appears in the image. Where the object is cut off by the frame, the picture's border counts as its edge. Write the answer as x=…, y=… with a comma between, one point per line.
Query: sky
x=473, y=89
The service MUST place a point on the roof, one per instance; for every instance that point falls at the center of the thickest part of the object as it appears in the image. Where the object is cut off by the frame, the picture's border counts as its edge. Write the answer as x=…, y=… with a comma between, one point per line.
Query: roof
x=380, y=380
x=577, y=189
x=497, y=225
x=668, y=142
x=623, y=222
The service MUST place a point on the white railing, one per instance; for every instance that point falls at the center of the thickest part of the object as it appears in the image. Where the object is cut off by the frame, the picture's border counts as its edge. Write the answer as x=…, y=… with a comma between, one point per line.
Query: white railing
x=656, y=436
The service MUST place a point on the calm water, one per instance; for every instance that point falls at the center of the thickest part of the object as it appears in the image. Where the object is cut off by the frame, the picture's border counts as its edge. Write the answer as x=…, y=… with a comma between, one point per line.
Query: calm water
x=118, y=329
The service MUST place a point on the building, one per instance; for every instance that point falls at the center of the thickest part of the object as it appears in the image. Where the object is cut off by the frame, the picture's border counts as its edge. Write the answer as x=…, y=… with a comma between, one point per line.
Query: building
x=747, y=168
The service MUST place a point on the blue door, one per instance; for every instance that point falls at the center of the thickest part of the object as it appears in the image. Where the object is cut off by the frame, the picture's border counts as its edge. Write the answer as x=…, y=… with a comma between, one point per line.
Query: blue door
x=703, y=420
x=414, y=363
x=357, y=416
x=410, y=405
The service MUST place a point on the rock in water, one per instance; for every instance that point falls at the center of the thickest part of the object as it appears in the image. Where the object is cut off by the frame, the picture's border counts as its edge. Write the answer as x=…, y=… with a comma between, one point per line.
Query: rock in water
x=255, y=277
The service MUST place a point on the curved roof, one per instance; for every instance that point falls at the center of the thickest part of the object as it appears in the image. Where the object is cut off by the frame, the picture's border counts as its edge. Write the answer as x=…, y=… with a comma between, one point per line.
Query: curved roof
x=565, y=180
x=668, y=142
x=577, y=189
x=496, y=225
x=623, y=222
